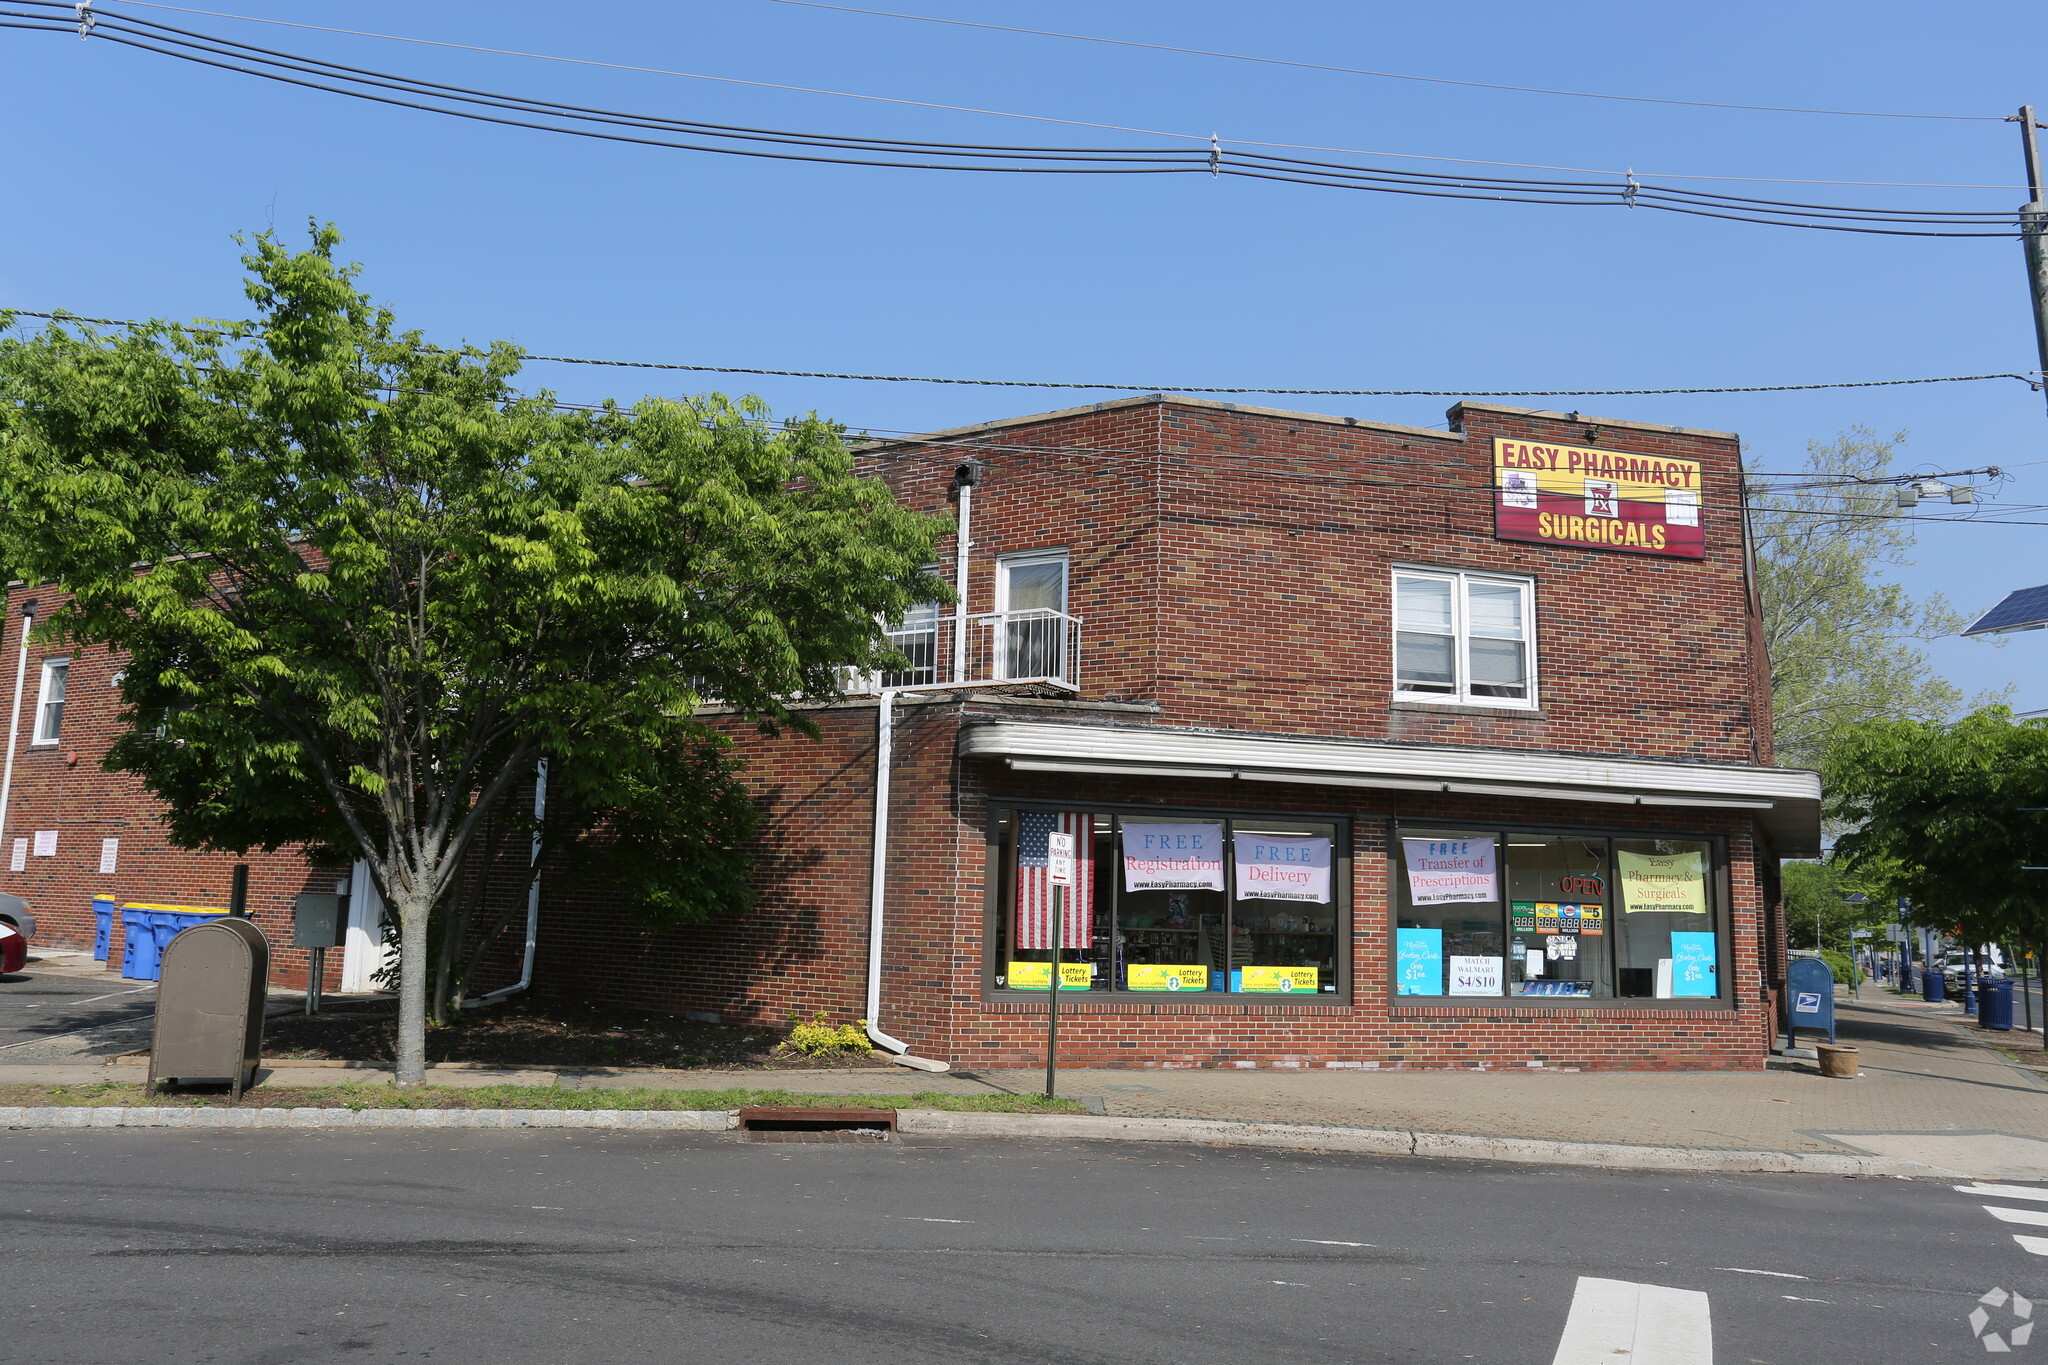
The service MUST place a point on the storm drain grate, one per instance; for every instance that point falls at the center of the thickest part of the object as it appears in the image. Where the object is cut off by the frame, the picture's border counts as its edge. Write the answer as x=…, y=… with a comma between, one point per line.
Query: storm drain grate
x=803, y=1123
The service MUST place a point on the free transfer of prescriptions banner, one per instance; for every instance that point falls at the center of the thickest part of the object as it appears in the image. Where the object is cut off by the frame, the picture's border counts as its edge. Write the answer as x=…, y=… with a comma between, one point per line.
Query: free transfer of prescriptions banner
x=1601, y=499
x=1442, y=871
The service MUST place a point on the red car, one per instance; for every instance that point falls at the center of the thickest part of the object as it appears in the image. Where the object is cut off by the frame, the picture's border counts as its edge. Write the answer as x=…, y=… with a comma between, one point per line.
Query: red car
x=16, y=925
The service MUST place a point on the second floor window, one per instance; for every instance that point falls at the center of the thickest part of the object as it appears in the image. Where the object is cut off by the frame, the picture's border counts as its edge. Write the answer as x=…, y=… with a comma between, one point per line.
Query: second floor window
x=50, y=703
x=1464, y=638
x=1031, y=600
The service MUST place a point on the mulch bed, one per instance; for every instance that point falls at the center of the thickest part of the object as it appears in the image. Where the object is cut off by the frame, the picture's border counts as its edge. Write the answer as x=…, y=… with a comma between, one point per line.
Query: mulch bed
x=536, y=1033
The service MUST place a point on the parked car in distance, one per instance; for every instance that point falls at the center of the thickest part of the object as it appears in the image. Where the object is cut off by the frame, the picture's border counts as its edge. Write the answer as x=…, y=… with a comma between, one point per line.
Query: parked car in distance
x=17, y=927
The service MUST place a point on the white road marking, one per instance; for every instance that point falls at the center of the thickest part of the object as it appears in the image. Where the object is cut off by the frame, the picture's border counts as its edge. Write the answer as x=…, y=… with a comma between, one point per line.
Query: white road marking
x=1325, y=1242
x=1738, y=1270
x=1794, y=1298
x=1615, y=1322
x=910, y=1219
x=2033, y=1218
x=2037, y=1245
x=2003, y=1191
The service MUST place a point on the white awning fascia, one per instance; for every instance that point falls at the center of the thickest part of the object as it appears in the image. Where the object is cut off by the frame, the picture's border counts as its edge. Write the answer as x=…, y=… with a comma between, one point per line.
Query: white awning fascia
x=1786, y=799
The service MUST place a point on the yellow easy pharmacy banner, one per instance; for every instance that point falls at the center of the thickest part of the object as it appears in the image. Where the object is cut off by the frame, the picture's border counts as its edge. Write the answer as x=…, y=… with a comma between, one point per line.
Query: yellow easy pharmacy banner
x=1673, y=883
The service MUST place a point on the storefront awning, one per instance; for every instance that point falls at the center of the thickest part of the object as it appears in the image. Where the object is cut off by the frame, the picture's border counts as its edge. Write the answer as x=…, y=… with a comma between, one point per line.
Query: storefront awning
x=1786, y=801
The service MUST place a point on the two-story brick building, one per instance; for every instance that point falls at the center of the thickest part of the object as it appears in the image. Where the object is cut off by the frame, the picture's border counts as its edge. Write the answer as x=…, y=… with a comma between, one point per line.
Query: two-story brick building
x=1380, y=746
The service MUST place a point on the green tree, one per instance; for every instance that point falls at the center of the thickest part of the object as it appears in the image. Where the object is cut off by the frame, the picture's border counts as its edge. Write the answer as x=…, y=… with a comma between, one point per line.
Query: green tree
x=364, y=586
x=1842, y=643
x=1821, y=892
x=1942, y=811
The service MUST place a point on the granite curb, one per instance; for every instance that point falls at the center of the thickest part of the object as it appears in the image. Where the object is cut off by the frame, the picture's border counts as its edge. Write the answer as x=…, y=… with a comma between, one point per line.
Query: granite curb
x=949, y=1123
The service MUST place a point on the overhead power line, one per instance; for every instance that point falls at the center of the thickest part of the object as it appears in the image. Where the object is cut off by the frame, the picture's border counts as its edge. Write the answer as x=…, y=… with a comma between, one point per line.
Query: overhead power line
x=851, y=150
x=944, y=449
x=2029, y=380
x=1381, y=75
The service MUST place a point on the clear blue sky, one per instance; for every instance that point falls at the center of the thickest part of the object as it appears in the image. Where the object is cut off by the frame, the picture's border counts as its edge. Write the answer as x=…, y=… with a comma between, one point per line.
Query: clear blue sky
x=129, y=172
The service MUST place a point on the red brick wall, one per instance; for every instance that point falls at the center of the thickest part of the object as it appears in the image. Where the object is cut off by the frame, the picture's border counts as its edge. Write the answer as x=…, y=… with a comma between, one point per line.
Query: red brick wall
x=62, y=787
x=804, y=947
x=1235, y=566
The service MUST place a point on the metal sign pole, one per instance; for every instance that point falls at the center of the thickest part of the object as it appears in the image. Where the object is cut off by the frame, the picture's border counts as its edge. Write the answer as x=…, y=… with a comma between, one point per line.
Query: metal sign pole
x=1059, y=873
x=1052, y=997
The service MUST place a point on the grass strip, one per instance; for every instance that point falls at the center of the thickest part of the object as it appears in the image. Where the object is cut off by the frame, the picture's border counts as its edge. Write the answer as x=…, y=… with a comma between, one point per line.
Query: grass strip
x=108, y=1093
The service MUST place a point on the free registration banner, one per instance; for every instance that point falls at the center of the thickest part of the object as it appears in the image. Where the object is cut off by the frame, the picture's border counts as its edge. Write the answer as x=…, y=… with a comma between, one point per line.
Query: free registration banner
x=1174, y=857
x=1283, y=867
x=1445, y=871
x=1598, y=499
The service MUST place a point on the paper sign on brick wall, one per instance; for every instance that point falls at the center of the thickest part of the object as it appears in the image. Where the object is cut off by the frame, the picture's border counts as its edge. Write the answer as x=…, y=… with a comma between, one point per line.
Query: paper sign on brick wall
x=110, y=854
x=19, y=861
x=46, y=843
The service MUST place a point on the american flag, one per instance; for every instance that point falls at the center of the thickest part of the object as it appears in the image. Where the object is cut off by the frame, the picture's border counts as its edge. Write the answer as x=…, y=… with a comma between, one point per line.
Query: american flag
x=1034, y=893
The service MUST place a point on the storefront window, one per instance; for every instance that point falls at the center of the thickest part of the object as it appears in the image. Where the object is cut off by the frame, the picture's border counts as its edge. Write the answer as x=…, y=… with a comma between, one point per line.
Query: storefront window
x=1508, y=913
x=1666, y=921
x=1447, y=937
x=1172, y=904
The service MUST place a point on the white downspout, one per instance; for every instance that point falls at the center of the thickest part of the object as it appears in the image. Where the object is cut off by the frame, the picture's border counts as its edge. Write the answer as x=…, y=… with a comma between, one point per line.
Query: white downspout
x=963, y=546
x=28, y=619
x=878, y=887
x=540, y=810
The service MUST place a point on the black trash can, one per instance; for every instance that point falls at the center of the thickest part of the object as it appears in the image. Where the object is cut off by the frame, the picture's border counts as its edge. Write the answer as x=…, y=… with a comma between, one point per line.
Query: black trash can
x=1994, y=1005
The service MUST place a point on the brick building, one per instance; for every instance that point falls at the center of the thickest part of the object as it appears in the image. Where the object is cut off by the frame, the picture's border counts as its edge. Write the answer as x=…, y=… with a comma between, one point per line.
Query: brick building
x=1379, y=746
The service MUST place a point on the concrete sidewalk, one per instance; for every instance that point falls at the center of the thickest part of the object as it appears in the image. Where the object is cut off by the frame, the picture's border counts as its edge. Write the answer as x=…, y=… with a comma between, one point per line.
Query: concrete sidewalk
x=1929, y=1091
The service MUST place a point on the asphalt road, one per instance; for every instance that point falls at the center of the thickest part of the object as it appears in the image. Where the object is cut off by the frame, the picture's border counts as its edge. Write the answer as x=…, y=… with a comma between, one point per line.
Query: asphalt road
x=52, y=998
x=519, y=1247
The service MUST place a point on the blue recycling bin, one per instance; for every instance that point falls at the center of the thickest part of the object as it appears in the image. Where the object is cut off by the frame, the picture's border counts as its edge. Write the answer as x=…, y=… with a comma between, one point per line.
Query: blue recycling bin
x=139, y=954
x=1933, y=988
x=102, y=927
x=1994, y=1005
x=149, y=930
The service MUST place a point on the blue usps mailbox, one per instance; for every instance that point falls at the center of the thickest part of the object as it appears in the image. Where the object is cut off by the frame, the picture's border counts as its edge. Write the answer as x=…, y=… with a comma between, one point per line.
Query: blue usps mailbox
x=1809, y=998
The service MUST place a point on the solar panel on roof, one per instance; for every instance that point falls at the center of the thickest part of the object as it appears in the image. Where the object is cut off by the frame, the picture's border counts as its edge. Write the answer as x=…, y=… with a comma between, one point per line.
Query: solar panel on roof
x=2026, y=609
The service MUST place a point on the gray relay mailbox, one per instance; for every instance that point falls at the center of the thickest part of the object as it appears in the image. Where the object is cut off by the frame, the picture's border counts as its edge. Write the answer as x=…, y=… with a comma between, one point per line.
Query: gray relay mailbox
x=209, y=1005
x=1809, y=998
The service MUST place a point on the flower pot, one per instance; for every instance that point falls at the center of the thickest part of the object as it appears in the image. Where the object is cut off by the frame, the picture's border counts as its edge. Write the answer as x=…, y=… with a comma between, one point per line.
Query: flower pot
x=1838, y=1060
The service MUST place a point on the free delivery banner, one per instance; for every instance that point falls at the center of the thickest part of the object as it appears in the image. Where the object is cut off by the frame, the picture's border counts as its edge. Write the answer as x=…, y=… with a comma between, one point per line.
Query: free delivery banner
x=1598, y=499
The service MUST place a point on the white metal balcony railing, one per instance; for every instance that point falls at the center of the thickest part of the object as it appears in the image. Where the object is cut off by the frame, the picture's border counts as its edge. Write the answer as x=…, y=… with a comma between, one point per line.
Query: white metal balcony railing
x=1035, y=646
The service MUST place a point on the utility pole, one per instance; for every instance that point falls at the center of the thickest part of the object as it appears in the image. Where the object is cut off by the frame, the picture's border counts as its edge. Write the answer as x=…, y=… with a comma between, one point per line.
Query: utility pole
x=2034, y=235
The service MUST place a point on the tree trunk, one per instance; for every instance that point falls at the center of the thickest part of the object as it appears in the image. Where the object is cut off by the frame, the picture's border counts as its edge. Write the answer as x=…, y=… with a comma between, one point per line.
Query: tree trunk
x=413, y=966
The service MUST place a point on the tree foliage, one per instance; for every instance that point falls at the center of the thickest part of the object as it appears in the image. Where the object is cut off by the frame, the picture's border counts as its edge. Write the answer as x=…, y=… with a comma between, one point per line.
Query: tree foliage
x=1842, y=642
x=1942, y=810
x=364, y=585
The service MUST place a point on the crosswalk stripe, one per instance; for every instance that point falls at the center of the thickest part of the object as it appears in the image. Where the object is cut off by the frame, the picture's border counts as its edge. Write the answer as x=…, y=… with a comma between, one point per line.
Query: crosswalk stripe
x=2003, y=1191
x=2037, y=1245
x=2033, y=1218
x=1616, y=1322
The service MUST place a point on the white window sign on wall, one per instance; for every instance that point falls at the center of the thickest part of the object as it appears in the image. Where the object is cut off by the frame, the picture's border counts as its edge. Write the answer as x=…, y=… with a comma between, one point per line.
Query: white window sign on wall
x=110, y=853
x=19, y=861
x=46, y=843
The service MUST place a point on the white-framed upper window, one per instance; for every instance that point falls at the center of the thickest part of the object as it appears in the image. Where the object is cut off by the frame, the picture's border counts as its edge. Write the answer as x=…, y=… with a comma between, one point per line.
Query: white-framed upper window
x=50, y=701
x=1464, y=638
x=1031, y=606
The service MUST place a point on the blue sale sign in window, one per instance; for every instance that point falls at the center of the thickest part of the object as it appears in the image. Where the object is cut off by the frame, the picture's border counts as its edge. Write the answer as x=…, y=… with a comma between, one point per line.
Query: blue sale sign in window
x=1418, y=962
x=1692, y=965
